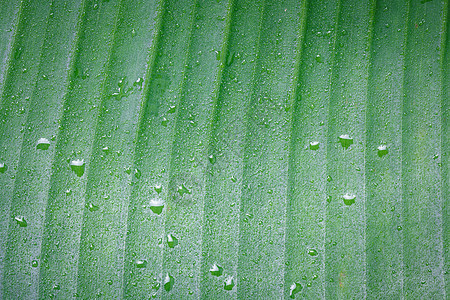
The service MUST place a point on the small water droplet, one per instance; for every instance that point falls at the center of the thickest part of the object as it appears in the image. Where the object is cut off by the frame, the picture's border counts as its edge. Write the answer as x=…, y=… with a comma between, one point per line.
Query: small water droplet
x=329, y=199
x=109, y=282
x=168, y=282
x=212, y=159
x=229, y=284
x=56, y=287
x=216, y=270
x=158, y=188
x=43, y=144
x=329, y=178
x=345, y=140
x=141, y=263
x=313, y=252
x=164, y=122
x=138, y=83
x=172, y=109
x=294, y=289
x=233, y=179
x=137, y=173
x=157, y=206
x=319, y=58
x=172, y=241
x=3, y=167
x=21, y=221
x=93, y=207
x=382, y=150
x=183, y=190
x=77, y=167
x=35, y=264
x=314, y=145
x=105, y=149
x=399, y=228
x=349, y=199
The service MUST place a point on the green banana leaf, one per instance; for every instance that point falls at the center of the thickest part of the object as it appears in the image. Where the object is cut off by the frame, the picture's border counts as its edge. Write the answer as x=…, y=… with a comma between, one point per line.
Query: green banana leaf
x=224, y=149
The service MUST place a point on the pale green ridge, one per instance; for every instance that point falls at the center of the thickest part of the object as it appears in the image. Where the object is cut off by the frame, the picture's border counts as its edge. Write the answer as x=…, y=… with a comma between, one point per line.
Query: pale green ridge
x=445, y=144
x=423, y=198
x=17, y=89
x=266, y=153
x=66, y=204
x=32, y=180
x=384, y=233
x=345, y=256
x=305, y=228
x=187, y=173
x=101, y=262
x=10, y=13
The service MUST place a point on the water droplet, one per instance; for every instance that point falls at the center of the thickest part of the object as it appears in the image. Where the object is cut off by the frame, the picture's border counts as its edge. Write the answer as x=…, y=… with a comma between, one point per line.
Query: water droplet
x=183, y=190
x=216, y=270
x=105, y=149
x=3, y=167
x=172, y=241
x=141, y=263
x=93, y=207
x=329, y=178
x=313, y=252
x=329, y=199
x=172, y=109
x=345, y=140
x=399, y=228
x=349, y=199
x=56, y=287
x=168, y=282
x=294, y=289
x=35, y=264
x=233, y=179
x=164, y=122
x=319, y=58
x=137, y=173
x=314, y=145
x=77, y=167
x=212, y=159
x=109, y=282
x=21, y=221
x=138, y=83
x=229, y=284
x=382, y=150
x=158, y=188
x=43, y=144
x=157, y=206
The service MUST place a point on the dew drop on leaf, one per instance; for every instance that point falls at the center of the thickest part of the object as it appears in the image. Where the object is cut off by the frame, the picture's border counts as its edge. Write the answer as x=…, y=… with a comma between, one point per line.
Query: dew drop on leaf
x=382, y=150
x=43, y=144
x=21, y=221
x=157, y=206
x=3, y=167
x=229, y=284
x=77, y=167
x=345, y=140
x=141, y=263
x=313, y=252
x=168, y=282
x=294, y=289
x=314, y=145
x=349, y=199
x=216, y=270
x=172, y=241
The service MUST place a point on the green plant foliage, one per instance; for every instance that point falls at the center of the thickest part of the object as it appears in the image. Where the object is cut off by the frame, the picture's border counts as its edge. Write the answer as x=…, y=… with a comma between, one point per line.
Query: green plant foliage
x=224, y=149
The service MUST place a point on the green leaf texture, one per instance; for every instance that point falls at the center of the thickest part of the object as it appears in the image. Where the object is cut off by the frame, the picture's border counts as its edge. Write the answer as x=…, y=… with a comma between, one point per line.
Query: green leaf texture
x=224, y=149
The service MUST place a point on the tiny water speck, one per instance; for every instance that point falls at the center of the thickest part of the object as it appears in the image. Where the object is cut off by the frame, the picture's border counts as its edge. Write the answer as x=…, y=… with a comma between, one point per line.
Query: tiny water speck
x=382, y=150
x=345, y=140
x=314, y=145
x=21, y=221
x=229, y=284
x=43, y=144
x=77, y=167
x=158, y=188
x=349, y=199
x=216, y=270
x=141, y=263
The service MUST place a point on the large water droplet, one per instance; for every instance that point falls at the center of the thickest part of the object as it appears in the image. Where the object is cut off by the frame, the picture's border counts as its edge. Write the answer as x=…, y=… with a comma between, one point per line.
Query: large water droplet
x=21, y=221
x=43, y=144
x=3, y=167
x=382, y=150
x=77, y=167
x=216, y=270
x=349, y=199
x=229, y=284
x=141, y=263
x=314, y=145
x=183, y=190
x=172, y=241
x=168, y=282
x=157, y=206
x=345, y=140
x=294, y=289
x=313, y=252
